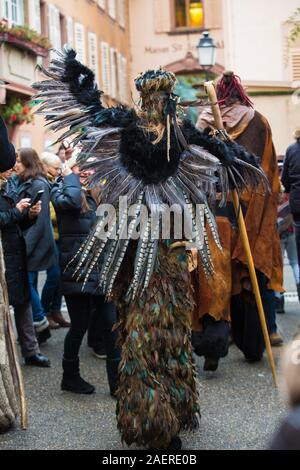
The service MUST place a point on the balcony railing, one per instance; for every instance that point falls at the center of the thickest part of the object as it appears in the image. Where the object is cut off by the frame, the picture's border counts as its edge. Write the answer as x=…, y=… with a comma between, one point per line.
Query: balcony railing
x=24, y=38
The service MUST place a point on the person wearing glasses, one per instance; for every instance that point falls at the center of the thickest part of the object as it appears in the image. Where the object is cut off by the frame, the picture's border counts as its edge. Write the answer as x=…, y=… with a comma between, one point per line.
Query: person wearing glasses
x=51, y=294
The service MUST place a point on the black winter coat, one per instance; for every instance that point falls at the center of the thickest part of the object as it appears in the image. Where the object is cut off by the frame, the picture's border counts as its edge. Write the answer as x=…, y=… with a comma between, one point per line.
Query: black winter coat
x=12, y=224
x=40, y=243
x=291, y=176
x=288, y=435
x=7, y=151
x=73, y=226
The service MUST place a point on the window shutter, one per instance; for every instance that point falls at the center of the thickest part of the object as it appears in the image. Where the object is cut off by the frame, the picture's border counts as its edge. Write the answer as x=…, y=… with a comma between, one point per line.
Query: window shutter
x=123, y=79
x=122, y=13
x=80, y=42
x=93, y=54
x=113, y=71
x=35, y=15
x=101, y=4
x=54, y=28
x=70, y=31
x=162, y=16
x=295, y=61
x=212, y=14
x=105, y=67
x=112, y=8
x=120, y=78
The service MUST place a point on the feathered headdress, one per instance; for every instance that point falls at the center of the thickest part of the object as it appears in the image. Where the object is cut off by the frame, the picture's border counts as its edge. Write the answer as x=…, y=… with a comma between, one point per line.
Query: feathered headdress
x=158, y=101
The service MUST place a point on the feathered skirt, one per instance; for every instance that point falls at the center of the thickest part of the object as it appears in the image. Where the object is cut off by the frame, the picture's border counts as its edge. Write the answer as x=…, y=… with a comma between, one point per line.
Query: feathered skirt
x=157, y=396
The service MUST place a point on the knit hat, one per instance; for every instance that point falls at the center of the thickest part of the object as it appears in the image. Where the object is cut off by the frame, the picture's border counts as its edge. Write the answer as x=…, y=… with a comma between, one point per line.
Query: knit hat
x=297, y=133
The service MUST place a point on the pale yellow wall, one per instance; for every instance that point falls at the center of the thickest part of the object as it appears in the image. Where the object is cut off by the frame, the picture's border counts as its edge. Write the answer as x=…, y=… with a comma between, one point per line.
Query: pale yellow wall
x=151, y=49
x=283, y=114
x=255, y=37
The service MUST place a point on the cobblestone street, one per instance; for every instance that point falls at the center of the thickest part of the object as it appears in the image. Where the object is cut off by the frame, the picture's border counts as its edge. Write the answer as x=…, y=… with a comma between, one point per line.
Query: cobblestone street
x=239, y=404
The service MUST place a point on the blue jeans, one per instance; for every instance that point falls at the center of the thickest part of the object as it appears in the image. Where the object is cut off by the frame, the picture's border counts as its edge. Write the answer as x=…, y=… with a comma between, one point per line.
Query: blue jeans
x=51, y=293
x=297, y=233
x=38, y=312
x=288, y=245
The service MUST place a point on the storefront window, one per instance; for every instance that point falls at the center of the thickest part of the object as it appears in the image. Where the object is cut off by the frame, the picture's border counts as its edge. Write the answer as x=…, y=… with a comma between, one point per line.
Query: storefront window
x=188, y=14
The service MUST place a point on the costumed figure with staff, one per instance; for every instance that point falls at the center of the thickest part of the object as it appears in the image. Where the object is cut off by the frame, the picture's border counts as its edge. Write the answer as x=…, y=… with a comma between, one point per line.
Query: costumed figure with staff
x=229, y=295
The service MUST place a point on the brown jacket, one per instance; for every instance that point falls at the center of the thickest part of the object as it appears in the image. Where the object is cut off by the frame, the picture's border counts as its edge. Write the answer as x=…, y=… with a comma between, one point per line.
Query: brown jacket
x=230, y=266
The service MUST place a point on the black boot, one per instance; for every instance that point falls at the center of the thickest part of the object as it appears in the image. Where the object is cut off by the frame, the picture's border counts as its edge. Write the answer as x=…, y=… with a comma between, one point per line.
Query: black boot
x=43, y=336
x=71, y=381
x=210, y=364
x=112, y=375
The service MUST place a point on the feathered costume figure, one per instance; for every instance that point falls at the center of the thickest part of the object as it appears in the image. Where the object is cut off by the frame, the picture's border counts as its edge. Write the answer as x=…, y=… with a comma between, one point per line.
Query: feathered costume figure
x=155, y=160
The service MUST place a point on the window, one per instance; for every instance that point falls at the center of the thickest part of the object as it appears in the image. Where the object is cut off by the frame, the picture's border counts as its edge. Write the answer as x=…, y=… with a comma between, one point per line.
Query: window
x=105, y=68
x=122, y=78
x=189, y=14
x=113, y=73
x=80, y=42
x=121, y=11
x=101, y=4
x=13, y=11
x=93, y=54
x=54, y=28
x=70, y=31
x=34, y=8
x=112, y=8
x=295, y=60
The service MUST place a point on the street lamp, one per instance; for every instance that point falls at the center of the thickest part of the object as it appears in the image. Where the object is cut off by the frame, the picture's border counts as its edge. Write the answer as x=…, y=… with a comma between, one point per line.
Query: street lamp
x=206, y=53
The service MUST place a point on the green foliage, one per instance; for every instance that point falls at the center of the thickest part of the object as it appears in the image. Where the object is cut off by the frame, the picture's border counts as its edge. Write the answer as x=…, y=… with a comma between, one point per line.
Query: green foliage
x=16, y=112
x=25, y=33
x=295, y=32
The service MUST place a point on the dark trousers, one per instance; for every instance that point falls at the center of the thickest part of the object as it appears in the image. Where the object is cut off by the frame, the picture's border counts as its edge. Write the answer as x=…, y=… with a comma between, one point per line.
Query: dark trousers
x=245, y=323
x=25, y=330
x=95, y=334
x=80, y=308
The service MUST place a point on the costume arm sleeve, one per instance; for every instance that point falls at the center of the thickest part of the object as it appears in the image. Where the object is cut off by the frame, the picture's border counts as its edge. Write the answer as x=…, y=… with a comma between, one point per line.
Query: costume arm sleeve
x=67, y=195
x=226, y=152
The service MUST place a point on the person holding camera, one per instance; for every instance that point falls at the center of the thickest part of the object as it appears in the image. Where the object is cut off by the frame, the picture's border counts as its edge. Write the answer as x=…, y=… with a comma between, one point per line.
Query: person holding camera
x=41, y=253
x=76, y=214
x=15, y=217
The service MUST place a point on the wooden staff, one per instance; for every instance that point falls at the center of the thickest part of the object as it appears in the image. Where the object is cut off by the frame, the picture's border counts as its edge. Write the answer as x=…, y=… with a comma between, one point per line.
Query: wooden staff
x=12, y=345
x=211, y=92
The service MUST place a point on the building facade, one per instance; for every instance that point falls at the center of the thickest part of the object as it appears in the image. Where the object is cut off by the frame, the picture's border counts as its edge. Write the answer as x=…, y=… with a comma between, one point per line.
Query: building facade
x=251, y=36
x=99, y=32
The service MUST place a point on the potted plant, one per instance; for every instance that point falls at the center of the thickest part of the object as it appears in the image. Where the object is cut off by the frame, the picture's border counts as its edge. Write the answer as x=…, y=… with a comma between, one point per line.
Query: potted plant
x=24, y=38
x=15, y=113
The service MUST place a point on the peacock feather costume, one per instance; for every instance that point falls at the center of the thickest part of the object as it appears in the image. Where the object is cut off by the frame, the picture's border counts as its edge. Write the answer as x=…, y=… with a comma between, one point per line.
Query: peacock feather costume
x=156, y=160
